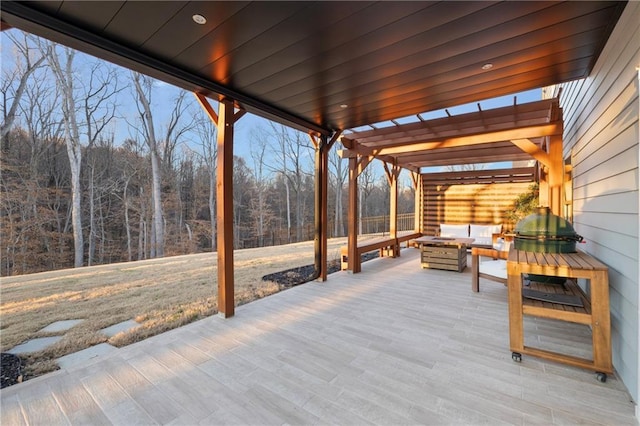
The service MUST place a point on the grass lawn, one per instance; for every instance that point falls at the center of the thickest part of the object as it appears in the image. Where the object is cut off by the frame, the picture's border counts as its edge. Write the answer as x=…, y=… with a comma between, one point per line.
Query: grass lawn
x=160, y=294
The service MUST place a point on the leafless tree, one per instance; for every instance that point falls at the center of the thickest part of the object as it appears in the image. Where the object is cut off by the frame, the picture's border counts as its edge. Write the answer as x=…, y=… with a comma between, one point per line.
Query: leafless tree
x=28, y=58
x=144, y=86
x=289, y=160
x=207, y=132
x=260, y=212
x=340, y=173
x=65, y=77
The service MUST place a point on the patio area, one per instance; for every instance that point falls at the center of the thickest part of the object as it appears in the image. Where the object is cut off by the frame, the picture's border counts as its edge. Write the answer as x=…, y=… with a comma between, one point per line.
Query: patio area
x=395, y=344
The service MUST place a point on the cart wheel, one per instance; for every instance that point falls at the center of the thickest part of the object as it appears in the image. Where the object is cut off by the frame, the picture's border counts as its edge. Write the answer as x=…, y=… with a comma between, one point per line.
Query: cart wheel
x=516, y=356
x=601, y=377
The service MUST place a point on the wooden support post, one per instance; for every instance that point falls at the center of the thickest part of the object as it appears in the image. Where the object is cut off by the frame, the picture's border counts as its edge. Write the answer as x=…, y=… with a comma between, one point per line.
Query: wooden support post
x=321, y=195
x=393, y=207
x=352, y=217
x=555, y=175
x=416, y=178
x=224, y=198
x=224, y=121
x=322, y=146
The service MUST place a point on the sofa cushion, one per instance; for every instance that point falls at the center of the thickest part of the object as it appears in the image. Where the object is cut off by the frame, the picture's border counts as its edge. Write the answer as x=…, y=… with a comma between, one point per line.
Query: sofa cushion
x=496, y=268
x=454, y=231
x=483, y=234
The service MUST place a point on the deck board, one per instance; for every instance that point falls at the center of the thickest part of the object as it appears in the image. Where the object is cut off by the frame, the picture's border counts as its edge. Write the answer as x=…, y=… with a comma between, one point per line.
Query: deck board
x=395, y=344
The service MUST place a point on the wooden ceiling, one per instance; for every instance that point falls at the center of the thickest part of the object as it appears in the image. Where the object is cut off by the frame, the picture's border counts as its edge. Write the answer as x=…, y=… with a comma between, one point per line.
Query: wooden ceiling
x=513, y=133
x=326, y=66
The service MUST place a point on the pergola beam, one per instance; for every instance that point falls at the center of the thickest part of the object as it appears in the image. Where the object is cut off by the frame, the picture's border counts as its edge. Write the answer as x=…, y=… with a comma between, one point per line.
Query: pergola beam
x=548, y=129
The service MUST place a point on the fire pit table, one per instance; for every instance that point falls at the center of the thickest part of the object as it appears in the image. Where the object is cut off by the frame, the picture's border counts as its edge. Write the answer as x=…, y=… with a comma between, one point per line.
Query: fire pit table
x=444, y=253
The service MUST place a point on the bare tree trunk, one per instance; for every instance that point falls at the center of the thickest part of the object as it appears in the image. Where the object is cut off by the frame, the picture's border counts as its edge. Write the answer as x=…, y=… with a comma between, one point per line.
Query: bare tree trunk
x=286, y=185
x=65, y=78
x=157, y=228
x=92, y=221
x=127, y=226
x=338, y=224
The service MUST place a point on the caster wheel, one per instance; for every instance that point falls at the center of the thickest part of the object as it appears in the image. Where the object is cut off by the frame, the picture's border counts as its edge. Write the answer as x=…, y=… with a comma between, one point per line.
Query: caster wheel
x=601, y=377
x=516, y=357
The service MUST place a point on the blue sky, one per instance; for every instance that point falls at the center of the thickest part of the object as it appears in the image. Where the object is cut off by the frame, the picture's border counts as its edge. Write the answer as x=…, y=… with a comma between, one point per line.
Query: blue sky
x=164, y=95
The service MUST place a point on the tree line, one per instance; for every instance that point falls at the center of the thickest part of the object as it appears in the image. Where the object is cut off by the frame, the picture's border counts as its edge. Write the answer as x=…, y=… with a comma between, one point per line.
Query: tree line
x=75, y=192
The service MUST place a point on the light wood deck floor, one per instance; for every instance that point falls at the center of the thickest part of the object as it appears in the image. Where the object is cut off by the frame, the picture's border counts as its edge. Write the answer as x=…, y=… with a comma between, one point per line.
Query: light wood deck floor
x=394, y=344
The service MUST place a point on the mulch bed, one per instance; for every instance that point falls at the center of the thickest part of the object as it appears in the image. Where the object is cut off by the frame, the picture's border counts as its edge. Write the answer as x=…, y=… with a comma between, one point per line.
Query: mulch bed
x=10, y=370
x=300, y=275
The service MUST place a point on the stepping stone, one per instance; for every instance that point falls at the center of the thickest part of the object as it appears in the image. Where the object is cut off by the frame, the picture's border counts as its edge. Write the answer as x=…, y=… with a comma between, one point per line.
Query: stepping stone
x=119, y=328
x=34, y=345
x=84, y=355
x=59, y=326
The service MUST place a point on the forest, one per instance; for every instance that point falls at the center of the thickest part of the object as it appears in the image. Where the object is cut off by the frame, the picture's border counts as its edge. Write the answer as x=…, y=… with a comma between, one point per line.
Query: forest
x=100, y=164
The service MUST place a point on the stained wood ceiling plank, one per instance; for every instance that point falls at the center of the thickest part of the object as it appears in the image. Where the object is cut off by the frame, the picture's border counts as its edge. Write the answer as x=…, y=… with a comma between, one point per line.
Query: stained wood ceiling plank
x=248, y=23
x=434, y=46
x=94, y=15
x=165, y=43
x=394, y=26
x=324, y=41
x=452, y=71
x=299, y=36
x=140, y=21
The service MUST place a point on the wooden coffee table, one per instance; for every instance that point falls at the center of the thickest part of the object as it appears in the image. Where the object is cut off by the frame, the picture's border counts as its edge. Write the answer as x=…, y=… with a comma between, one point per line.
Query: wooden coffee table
x=444, y=253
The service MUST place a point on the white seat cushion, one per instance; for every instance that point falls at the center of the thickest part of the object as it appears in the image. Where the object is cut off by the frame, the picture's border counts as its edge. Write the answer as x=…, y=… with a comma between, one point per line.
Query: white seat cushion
x=454, y=231
x=495, y=268
x=483, y=234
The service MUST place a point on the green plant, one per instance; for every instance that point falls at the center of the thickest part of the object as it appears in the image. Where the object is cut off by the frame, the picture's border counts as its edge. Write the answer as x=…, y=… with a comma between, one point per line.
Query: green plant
x=525, y=204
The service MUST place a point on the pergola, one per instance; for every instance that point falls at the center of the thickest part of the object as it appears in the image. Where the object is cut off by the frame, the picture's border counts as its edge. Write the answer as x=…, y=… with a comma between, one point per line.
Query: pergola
x=325, y=67
x=514, y=133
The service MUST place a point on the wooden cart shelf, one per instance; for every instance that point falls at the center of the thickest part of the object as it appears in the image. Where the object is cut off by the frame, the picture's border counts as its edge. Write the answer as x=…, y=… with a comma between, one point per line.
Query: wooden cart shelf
x=594, y=312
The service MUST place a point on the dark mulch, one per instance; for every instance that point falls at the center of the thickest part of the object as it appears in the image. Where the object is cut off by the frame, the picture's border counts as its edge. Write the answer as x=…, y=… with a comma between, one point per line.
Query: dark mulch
x=300, y=275
x=10, y=370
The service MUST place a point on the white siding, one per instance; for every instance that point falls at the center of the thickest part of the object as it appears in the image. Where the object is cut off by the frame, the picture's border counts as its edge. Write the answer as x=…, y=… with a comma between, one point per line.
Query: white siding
x=601, y=137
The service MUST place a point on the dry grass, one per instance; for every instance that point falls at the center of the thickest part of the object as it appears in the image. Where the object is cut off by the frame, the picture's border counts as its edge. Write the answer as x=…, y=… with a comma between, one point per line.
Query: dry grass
x=161, y=294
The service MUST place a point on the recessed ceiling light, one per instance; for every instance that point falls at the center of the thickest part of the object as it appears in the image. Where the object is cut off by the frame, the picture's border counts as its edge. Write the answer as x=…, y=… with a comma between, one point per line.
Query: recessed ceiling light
x=487, y=66
x=199, y=19
x=344, y=106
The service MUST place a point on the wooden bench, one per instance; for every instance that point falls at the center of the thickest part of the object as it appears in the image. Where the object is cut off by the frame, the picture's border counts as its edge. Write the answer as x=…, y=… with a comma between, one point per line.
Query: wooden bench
x=387, y=246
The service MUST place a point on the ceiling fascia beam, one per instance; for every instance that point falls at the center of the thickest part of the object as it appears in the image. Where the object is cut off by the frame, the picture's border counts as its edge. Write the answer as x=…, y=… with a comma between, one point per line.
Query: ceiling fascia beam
x=28, y=19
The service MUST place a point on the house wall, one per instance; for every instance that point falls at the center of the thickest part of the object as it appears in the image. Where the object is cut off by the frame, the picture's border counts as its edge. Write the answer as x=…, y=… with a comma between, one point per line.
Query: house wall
x=601, y=138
